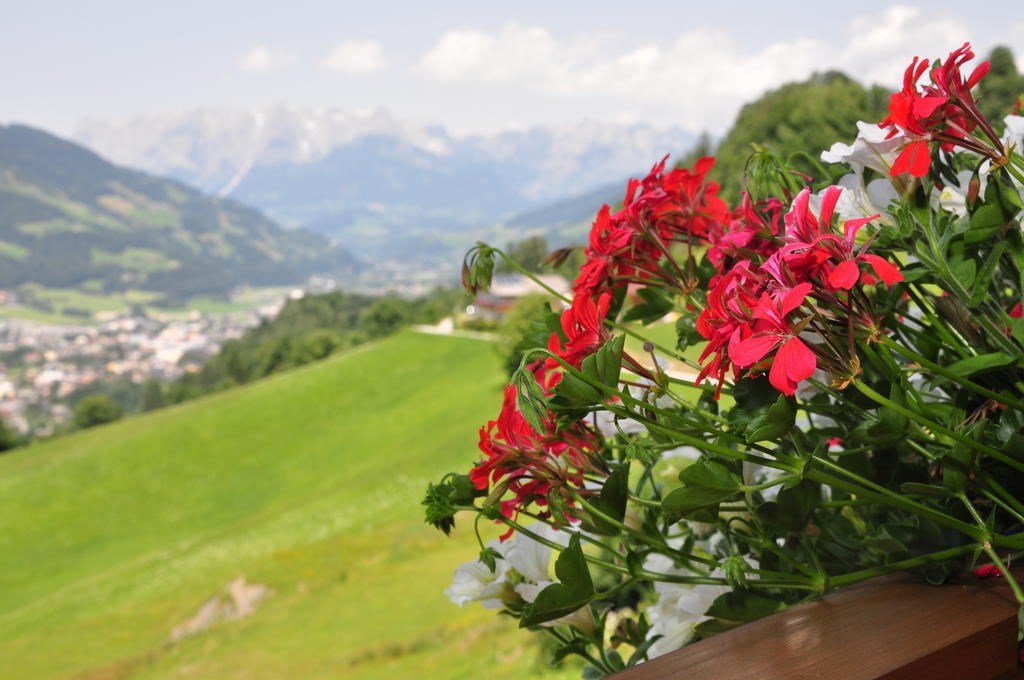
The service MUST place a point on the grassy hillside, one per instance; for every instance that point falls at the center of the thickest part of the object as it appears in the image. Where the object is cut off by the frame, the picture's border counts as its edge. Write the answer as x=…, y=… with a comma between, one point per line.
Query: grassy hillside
x=69, y=219
x=306, y=483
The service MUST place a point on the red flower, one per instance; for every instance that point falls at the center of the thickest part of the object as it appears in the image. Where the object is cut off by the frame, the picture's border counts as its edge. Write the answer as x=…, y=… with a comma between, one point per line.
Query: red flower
x=988, y=571
x=944, y=110
x=793, y=360
x=816, y=246
x=694, y=206
x=583, y=328
x=538, y=465
x=726, y=321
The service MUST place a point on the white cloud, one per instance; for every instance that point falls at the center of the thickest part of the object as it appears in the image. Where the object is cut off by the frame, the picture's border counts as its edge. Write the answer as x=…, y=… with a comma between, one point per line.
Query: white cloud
x=699, y=79
x=262, y=59
x=355, y=57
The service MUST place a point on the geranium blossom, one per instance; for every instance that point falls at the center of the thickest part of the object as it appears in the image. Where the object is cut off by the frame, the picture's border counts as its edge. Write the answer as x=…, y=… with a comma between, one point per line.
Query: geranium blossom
x=773, y=331
x=943, y=110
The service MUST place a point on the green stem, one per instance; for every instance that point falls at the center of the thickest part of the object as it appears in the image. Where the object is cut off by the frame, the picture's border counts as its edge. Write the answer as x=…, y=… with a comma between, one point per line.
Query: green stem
x=614, y=324
x=992, y=483
x=650, y=424
x=660, y=546
x=1007, y=574
x=864, y=574
x=1015, y=172
x=921, y=420
x=986, y=545
x=767, y=485
x=998, y=501
x=894, y=500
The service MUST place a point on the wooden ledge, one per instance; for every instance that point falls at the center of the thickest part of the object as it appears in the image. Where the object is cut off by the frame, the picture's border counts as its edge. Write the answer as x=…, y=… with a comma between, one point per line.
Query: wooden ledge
x=892, y=627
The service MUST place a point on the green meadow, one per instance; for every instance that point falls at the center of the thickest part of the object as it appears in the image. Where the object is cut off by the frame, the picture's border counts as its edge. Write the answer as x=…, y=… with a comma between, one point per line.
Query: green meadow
x=306, y=484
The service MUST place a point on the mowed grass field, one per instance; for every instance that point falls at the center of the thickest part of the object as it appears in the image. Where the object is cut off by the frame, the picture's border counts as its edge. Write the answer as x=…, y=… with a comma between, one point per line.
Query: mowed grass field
x=307, y=483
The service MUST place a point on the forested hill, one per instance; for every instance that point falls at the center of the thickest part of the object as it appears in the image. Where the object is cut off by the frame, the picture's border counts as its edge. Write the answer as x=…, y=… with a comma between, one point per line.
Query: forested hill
x=69, y=219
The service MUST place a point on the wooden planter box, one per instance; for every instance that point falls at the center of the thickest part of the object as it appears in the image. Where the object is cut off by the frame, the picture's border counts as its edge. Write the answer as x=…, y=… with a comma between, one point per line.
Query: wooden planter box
x=892, y=627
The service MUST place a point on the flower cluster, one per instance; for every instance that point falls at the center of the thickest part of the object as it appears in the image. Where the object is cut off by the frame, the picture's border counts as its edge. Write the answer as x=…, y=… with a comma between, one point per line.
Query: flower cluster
x=943, y=110
x=867, y=334
x=632, y=246
x=541, y=468
x=760, y=307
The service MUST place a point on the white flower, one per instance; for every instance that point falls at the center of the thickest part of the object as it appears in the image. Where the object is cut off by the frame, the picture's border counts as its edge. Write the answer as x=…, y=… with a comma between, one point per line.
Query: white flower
x=1014, y=134
x=859, y=201
x=871, y=149
x=605, y=422
x=680, y=607
x=530, y=558
x=687, y=452
x=676, y=614
x=953, y=197
x=474, y=581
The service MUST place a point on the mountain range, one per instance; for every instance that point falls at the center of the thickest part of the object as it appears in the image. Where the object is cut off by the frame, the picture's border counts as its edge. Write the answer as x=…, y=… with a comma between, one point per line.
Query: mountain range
x=70, y=219
x=384, y=188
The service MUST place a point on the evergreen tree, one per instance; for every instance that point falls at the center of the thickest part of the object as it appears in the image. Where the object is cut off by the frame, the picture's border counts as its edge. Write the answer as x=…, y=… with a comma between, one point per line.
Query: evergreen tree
x=96, y=409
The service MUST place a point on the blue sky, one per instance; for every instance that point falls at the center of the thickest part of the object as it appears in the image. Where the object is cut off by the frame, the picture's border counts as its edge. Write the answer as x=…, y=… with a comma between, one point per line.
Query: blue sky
x=472, y=66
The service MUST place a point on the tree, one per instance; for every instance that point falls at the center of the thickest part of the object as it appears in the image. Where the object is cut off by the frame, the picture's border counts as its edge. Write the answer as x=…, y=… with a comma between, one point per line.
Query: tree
x=9, y=438
x=152, y=395
x=384, y=316
x=528, y=254
x=96, y=409
x=315, y=345
x=522, y=329
x=798, y=118
x=997, y=92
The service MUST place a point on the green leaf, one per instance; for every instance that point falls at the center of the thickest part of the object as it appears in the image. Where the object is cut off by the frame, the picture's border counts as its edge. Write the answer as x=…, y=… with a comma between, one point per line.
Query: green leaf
x=743, y=605
x=530, y=399
x=891, y=425
x=775, y=423
x=1018, y=330
x=688, y=501
x=608, y=361
x=611, y=501
x=577, y=646
x=490, y=557
x=981, y=284
x=574, y=590
x=574, y=396
x=985, y=222
x=656, y=304
x=792, y=508
x=957, y=466
x=982, y=362
x=709, y=474
x=925, y=489
x=965, y=271
x=885, y=542
x=713, y=627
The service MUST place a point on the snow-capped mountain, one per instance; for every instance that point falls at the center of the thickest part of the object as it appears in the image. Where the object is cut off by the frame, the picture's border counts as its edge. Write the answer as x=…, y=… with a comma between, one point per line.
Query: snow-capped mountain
x=351, y=175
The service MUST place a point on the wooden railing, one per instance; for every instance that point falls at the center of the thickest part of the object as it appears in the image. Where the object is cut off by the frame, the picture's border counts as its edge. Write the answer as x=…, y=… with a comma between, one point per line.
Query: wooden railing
x=893, y=627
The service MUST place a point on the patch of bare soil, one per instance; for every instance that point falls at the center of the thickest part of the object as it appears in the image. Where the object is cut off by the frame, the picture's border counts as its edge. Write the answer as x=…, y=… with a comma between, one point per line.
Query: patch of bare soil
x=238, y=600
